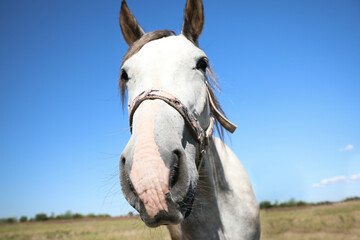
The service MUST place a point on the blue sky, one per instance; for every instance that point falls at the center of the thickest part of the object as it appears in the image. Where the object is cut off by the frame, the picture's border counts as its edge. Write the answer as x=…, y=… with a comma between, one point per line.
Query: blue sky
x=289, y=72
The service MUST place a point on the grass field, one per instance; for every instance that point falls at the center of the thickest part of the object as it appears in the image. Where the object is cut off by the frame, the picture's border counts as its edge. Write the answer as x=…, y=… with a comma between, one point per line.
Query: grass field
x=337, y=221
x=331, y=222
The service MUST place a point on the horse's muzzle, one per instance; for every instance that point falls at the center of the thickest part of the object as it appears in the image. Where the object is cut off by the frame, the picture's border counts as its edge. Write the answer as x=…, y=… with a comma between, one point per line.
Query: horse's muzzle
x=159, y=202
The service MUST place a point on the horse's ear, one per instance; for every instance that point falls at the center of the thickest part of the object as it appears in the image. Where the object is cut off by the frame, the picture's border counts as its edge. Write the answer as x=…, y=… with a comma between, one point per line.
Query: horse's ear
x=193, y=20
x=130, y=28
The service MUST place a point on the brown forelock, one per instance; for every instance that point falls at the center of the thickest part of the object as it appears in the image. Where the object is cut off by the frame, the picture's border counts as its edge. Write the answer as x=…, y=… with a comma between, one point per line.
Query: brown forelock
x=210, y=75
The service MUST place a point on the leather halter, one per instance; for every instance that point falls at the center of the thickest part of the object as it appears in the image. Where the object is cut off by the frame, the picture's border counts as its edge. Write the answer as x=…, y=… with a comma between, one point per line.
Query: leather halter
x=202, y=135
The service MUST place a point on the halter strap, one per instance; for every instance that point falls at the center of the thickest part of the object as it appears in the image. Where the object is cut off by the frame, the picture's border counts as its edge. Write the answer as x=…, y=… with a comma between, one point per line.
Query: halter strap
x=201, y=134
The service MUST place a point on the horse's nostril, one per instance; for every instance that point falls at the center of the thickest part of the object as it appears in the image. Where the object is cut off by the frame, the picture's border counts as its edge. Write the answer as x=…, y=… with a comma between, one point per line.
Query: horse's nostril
x=122, y=161
x=174, y=175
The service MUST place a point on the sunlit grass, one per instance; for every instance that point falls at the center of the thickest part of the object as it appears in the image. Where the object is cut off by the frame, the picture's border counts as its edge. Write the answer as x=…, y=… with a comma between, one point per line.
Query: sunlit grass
x=337, y=221
x=83, y=230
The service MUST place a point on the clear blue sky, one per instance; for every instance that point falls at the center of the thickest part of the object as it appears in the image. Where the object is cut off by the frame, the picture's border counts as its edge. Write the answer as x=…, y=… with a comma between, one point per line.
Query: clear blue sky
x=289, y=71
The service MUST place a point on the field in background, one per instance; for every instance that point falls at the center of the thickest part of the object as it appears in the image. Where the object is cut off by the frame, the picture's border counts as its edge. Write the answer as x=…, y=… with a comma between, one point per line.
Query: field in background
x=336, y=221
x=95, y=229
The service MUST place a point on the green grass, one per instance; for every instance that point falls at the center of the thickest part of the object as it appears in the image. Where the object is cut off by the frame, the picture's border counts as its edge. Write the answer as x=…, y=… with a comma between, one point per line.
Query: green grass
x=337, y=221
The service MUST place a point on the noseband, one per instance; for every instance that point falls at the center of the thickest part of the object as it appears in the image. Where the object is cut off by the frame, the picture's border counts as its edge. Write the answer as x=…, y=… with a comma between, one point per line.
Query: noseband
x=202, y=135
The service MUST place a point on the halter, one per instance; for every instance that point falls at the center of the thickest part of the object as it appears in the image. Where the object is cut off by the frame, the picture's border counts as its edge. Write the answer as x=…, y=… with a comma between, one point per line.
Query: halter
x=202, y=135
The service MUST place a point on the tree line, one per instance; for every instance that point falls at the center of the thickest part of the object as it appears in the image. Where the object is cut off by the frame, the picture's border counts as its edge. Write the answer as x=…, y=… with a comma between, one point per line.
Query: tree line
x=40, y=217
x=44, y=217
x=293, y=203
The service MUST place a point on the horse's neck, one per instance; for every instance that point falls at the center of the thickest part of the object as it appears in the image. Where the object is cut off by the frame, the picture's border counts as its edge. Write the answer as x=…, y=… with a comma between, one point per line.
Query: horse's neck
x=224, y=199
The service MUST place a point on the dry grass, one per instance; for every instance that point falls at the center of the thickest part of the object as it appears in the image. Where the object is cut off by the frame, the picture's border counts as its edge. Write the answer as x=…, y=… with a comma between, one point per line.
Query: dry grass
x=83, y=230
x=337, y=221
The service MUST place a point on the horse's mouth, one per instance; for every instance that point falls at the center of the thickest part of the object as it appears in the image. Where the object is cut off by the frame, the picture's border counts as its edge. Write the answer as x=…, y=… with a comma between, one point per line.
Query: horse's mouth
x=187, y=204
x=176, y=213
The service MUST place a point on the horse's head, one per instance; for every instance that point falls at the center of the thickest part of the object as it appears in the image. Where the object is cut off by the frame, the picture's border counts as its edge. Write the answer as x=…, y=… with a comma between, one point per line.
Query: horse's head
x=170, y=116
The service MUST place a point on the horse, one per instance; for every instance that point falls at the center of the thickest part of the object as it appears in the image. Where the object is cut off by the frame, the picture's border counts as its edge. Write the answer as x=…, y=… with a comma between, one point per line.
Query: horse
x=172, y=170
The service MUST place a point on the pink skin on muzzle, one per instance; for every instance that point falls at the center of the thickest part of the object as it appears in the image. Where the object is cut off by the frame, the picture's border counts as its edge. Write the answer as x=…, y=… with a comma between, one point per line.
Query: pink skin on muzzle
x=149, y=174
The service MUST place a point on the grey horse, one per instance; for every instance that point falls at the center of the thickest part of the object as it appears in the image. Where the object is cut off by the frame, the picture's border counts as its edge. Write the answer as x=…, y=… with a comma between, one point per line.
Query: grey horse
x=173, y=171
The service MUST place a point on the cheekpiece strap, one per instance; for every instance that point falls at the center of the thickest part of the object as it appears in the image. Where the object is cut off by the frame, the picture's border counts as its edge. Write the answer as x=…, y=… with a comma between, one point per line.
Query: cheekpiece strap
x=202, y=136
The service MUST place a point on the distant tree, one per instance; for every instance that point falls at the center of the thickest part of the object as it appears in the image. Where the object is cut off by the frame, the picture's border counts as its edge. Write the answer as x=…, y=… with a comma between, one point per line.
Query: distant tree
x=130, y=214
x=52, y=216
x=351, y=199
x=68, y=215
x=77, y=215
x=290, y=203
x=41, y=217
x=265, y=205
x=23, y=219
x=301, y=203
x=324, y=203
x=90, y=215
x=8, y=220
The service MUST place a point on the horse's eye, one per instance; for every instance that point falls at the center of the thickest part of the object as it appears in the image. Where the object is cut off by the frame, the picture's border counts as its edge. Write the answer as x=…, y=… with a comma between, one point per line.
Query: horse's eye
x=202, y=64
x=124, y=76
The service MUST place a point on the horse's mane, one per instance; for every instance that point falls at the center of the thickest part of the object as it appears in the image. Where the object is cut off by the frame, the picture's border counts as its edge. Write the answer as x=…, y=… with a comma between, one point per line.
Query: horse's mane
x=210, y=75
